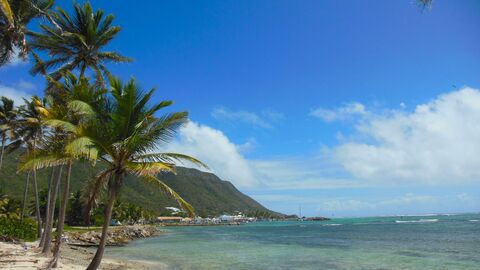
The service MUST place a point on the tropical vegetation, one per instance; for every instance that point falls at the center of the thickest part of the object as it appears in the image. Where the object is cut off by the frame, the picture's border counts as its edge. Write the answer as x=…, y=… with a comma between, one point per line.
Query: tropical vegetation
x=89, y=117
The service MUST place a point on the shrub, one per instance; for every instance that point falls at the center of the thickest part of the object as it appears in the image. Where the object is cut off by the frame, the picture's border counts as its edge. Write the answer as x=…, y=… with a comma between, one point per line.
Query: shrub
x=14, y=229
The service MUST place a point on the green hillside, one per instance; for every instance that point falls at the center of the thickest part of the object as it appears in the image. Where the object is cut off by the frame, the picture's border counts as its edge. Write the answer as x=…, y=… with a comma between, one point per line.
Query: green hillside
x=208, y=194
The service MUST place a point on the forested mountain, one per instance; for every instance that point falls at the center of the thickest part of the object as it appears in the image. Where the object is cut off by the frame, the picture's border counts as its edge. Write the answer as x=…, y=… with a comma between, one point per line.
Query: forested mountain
x=208, y=194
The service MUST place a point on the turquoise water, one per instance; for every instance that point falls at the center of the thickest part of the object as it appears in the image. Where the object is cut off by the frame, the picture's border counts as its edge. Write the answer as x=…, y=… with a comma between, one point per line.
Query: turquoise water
x=417, y=242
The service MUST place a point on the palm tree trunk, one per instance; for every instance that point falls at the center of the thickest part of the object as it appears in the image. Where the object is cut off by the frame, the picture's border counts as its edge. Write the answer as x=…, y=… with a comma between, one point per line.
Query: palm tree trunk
x=47, y=242
x=95, y=263
x=37, y=204
x=47, y=210
x=61, y=219
x=3, y=150
x=37, y=201
x=25, y=195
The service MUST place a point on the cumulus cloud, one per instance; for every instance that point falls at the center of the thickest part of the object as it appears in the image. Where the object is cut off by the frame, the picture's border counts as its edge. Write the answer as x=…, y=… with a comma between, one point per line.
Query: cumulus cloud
x=265, y=119
x=437, y=143
x=214, y=148
x=227, y=160
x=15, y=94
x=345, y=112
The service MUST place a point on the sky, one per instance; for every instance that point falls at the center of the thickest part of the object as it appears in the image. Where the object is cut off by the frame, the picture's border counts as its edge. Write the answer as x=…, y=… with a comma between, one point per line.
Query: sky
x=342, y=108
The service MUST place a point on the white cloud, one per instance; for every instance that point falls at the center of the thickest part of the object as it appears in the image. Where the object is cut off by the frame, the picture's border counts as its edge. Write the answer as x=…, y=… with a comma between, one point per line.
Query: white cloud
x=213, y=148
x=14, y=94
x=227, y=161
x=265, y=119
x=338, y=114
x=437, y=143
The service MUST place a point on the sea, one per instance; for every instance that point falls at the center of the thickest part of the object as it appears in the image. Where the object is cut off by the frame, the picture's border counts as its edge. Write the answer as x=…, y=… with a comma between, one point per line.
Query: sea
x=399, y=242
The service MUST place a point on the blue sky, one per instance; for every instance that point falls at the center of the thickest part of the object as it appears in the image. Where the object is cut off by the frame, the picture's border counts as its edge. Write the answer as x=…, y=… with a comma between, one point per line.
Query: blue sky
x=348, y=108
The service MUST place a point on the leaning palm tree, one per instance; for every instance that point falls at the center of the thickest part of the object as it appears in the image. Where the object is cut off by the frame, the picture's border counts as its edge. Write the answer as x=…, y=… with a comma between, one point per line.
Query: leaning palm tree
x=122, y=132
x=14, y=17
x=62, y=108
x=28, y=132
x=125, y=143
x=74, y=95
x=77, y=43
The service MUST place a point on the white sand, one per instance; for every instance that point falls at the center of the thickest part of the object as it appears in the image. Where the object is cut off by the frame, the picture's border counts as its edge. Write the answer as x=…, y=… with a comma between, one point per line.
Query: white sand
x=26, y=256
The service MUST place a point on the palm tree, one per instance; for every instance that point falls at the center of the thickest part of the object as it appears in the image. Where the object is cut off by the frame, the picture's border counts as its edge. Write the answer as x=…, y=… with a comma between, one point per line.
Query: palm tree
x=63, y=108
x=77, y=44
x=14, y=17
x=125, y=143
x=8, y=115
x=29, y=131
x=76, y=94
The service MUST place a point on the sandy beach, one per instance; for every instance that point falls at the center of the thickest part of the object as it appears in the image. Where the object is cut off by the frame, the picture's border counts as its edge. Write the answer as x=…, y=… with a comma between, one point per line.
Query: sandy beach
x=26, y=256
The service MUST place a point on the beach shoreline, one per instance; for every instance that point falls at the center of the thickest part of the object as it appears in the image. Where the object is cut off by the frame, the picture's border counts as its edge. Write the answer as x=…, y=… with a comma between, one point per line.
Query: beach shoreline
x=27, y=256
x=78, y=250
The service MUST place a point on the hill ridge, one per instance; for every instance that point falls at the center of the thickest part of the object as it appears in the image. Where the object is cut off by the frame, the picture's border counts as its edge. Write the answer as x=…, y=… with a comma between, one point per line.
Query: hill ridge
x=207, y=193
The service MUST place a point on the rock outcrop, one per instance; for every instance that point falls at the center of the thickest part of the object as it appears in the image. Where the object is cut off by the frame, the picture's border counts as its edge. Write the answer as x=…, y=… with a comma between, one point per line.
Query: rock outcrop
x=117, y=236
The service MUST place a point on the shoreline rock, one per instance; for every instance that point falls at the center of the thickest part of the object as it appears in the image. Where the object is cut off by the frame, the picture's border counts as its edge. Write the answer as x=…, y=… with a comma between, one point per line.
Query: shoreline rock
x=117, y=236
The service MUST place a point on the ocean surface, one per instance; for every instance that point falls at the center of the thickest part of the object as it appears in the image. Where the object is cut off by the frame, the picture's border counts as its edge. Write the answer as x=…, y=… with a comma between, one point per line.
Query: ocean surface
x=413, y=242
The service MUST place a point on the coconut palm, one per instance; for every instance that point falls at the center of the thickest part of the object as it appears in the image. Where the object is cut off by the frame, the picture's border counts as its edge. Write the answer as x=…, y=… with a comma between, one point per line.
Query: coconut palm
x=8, y=116
x=14, y=17
x=70, y=96
x=28, y=132
x=125, y=143
x=78, y=43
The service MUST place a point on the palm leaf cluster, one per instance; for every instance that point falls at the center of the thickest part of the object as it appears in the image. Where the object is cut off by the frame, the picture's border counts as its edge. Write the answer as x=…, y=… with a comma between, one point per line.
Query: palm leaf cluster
x=14, y=17
x=76, y=42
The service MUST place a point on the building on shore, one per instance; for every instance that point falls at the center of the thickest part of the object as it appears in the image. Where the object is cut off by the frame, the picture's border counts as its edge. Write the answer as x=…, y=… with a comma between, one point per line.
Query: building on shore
x=169, y=220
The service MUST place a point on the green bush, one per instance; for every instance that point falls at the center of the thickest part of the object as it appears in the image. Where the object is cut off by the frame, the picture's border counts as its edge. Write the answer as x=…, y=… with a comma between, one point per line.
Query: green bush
x=13, y=228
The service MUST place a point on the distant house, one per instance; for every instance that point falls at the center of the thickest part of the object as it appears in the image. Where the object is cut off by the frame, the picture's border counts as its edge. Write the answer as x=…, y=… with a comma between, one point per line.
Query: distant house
x=226, y=218
x=169, y=219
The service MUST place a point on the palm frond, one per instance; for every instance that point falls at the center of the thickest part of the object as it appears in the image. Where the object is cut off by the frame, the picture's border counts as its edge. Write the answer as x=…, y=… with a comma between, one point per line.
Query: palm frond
x=169, y=191
x=82, y=147
x=170, y=158
x=7, y=11
x=40, y=162
x=62, y=124
x=81, y=107
x=149, y=168
x=94, y=188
